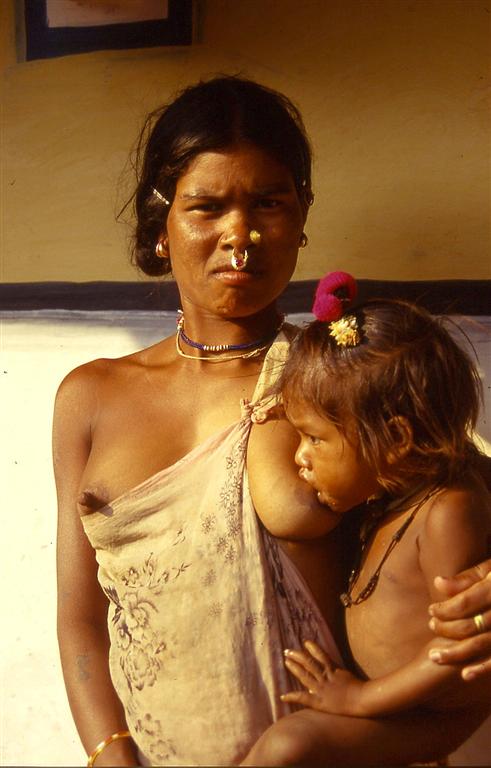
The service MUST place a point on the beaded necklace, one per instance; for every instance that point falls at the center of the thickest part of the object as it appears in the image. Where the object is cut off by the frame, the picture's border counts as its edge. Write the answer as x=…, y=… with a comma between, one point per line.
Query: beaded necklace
x=248, y=349
x=366, y=531
x=222, y=359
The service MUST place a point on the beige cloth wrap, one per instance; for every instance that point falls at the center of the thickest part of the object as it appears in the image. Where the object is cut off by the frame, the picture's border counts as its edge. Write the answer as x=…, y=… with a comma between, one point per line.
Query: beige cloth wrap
x=202, y=603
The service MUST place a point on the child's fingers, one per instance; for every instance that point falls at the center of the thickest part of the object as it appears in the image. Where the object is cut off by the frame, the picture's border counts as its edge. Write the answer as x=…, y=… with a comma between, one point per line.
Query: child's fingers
x=305, y=677
x=306, y=661
x=320, y=655
x=298, y=697
x=260, y=414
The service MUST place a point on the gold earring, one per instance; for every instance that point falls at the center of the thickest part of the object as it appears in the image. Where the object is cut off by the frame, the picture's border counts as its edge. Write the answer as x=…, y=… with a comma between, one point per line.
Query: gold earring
x=304, y=240
x=161, y=250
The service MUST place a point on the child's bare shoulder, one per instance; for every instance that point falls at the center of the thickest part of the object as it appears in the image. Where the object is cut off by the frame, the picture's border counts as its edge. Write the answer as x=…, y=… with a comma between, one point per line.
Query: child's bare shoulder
x=456, y=527
x=463, y=502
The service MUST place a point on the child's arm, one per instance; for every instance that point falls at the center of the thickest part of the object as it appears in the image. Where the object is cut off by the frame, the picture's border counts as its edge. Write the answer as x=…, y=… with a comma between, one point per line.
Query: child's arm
x=332, y=689
x=455, y=534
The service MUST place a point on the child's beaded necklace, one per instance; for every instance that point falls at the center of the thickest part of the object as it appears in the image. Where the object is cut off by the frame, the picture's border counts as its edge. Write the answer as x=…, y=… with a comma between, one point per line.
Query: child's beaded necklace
x=379, y=509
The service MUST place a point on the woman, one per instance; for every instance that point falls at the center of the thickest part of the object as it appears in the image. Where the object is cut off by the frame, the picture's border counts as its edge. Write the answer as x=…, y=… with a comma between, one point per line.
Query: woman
x=151, y=449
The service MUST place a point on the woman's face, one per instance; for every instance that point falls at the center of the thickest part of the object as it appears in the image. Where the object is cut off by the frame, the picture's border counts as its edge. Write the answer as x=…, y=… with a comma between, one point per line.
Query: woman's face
x=220, y=198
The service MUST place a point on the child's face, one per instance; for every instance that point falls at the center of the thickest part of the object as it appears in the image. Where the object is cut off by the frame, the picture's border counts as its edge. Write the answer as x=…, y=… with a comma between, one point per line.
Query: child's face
x=329, y=462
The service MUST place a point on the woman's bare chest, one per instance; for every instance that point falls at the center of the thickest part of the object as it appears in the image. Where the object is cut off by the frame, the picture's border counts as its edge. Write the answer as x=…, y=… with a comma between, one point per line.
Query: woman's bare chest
x=143, y=429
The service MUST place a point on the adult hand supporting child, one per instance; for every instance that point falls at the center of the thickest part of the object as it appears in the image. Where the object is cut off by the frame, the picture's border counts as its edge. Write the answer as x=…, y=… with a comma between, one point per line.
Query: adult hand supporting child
x=465, y=616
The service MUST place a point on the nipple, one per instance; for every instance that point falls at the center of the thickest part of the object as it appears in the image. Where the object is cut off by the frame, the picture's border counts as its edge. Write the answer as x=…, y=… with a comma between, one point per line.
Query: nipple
x=89, y=502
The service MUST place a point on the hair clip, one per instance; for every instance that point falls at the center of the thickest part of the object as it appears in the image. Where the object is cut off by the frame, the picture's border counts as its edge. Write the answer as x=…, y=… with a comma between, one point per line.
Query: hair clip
x=345, y=331
x=160, y=197
x=335, y=291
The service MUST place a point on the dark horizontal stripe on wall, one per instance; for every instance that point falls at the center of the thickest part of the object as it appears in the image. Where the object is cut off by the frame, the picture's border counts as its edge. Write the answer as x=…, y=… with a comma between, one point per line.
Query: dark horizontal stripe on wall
x=467, y=297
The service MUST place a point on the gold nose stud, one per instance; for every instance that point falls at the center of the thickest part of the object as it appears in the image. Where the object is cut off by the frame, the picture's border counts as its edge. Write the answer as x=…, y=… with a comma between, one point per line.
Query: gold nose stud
x=255, y=236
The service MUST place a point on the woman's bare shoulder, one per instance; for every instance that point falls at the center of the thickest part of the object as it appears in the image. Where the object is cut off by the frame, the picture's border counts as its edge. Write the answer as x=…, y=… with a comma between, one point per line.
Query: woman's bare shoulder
x=106, y=370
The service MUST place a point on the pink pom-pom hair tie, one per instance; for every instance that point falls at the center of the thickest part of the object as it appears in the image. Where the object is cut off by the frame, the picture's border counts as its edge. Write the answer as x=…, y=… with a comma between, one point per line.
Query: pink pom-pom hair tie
x=334, y=293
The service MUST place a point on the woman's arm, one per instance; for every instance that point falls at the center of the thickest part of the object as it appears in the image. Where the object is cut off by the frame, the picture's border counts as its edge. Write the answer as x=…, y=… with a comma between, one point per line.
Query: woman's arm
x=82, y=606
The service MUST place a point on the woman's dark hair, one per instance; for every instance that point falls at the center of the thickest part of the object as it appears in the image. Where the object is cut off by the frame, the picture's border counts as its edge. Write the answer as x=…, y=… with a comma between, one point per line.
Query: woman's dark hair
x=405, y=365
x=205, y=117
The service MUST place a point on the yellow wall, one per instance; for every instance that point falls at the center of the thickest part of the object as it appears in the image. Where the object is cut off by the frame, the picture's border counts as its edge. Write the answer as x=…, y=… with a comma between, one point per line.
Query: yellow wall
x=393, y=93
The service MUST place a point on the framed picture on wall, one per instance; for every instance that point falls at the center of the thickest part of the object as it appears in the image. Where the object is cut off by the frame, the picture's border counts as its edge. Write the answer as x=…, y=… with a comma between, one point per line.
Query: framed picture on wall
x=64, y=27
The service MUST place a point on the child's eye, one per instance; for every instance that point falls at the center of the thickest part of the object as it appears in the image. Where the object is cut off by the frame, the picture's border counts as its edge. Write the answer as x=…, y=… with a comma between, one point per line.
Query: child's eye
x=313, y=440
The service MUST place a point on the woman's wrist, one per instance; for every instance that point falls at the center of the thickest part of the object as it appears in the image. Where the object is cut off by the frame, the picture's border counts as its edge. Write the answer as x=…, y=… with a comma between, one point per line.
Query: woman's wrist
x=115, y=750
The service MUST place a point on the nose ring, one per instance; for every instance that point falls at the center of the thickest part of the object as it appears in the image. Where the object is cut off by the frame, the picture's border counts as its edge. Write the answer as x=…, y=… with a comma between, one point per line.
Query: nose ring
x=238, y=260
x=255, y=236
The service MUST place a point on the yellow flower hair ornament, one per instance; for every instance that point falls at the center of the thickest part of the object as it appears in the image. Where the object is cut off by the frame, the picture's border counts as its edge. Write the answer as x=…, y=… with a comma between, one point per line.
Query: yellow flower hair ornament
x=345, y=331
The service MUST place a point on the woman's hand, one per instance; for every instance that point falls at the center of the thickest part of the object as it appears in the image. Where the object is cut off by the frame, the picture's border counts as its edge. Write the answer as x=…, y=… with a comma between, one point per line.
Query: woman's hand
x=465, y=616
x=328, y=687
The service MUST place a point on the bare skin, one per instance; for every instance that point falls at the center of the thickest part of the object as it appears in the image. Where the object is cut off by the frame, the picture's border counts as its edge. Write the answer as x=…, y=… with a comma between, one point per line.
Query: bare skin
x=388, y=632
x=467, y=594
x=117, y=422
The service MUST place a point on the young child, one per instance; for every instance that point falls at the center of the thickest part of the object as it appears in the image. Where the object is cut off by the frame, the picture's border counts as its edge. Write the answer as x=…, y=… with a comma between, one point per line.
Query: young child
x=384, y=402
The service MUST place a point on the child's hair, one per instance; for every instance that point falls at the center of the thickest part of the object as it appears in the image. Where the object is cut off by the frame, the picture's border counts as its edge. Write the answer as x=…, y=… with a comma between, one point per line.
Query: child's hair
x=406, y=364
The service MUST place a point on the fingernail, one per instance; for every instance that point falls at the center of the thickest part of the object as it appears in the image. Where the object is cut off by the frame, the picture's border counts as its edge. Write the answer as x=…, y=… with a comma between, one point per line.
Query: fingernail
x=431, y=610
x=435, y=655
x=282, y=697
x=432, y=624
x=469, y=673
x=287, y=652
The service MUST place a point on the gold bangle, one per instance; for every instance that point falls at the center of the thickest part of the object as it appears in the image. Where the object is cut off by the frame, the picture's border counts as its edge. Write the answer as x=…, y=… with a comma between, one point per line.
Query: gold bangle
x=100, y=747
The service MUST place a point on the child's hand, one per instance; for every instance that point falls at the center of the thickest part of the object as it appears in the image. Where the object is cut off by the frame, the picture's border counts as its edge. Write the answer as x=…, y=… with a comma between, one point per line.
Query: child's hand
x=329, y=688
x=271, y=411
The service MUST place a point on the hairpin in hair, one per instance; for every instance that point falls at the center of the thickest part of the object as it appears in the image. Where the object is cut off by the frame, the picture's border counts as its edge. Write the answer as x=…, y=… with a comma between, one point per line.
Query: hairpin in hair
x=334, y=293
x=160, y=197
x=345, y=331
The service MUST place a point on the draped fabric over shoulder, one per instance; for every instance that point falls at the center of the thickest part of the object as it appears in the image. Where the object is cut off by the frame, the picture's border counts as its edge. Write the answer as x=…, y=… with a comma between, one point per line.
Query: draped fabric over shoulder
x=202, y=603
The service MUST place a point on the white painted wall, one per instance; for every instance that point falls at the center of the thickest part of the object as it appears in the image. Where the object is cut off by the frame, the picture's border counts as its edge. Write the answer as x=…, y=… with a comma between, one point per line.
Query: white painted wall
x=38, y=348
